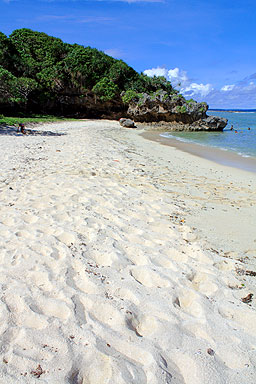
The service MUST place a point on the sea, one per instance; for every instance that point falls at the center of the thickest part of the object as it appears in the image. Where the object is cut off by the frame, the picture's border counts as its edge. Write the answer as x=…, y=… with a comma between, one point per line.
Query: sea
x=241, y=140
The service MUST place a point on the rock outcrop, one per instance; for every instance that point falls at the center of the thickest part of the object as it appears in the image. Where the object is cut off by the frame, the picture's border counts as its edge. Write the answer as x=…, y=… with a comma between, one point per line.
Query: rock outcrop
x=127, y=123
x=163, y=109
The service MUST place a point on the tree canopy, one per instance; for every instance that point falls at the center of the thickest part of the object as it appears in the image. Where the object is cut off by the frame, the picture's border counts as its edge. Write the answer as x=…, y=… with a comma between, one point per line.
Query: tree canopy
x=35, y=68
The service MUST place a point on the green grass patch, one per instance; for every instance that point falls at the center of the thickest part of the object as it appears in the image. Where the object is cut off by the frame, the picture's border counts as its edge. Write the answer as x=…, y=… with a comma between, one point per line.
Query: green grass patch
x=4, y=120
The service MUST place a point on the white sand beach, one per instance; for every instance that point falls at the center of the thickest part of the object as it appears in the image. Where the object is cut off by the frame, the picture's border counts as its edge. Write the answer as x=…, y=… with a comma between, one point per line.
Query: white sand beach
x=123, y=261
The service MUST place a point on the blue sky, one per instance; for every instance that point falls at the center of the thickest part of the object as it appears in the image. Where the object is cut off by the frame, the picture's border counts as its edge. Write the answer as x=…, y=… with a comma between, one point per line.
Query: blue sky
x=207, y=48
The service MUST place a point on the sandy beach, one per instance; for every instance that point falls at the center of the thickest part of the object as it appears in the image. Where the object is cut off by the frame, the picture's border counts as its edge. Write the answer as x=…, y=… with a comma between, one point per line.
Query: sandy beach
x=123, y=261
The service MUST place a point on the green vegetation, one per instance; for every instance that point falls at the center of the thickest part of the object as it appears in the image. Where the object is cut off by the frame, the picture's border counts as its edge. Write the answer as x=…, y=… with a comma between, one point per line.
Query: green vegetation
x=33, y=119
x=190, y=101
x=177, y=97
x=39, y=72
x=105, y=89
x=181, y=109
x=129, y=95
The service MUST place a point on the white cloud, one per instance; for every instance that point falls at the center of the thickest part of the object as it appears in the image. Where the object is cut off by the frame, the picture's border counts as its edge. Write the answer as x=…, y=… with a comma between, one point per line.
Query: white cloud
x=239, y=95
x=180, y=80
x=227, y=88
x=178, y=77
x=250, y=86
x=195, y=89
x=159, y=71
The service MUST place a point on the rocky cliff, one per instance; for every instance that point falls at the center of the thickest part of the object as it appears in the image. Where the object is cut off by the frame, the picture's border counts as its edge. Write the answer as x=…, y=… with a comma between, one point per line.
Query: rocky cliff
x=173, y=112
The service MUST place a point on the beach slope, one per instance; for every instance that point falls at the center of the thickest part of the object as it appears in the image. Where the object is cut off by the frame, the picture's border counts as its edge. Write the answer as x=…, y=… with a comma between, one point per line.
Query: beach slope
x=115, y=265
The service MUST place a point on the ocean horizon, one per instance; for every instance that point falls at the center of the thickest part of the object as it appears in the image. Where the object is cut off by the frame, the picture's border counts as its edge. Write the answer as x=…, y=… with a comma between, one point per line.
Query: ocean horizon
x=231, y=110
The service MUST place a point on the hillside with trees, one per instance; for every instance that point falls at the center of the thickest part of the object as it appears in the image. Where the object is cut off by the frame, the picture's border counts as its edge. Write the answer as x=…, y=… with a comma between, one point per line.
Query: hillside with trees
x=42, y=74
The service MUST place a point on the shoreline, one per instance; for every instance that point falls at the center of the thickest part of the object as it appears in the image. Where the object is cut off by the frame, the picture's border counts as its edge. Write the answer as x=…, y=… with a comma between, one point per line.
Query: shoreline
x=123, y=261
x=215, y=194
x=226, y=158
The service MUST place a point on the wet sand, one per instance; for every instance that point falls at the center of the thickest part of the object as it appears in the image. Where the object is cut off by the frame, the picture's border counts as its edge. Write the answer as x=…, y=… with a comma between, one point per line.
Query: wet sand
x=219, y=156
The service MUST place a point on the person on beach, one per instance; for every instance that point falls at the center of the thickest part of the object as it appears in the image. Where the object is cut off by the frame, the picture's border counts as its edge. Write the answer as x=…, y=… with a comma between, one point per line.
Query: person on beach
x=21, y=128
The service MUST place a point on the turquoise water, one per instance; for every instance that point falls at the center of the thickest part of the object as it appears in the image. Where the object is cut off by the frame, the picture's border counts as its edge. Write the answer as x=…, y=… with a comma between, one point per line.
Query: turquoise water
x=243, y=142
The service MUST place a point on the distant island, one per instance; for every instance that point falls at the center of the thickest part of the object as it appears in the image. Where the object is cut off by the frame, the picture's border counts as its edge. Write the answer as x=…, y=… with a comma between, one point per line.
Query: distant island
x=40, y=74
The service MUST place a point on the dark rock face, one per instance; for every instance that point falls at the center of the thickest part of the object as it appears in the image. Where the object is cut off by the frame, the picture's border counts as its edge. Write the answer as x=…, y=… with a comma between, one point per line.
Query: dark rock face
x=214, y=122
x=88, y=105
x=127, y=123
x=183, y=114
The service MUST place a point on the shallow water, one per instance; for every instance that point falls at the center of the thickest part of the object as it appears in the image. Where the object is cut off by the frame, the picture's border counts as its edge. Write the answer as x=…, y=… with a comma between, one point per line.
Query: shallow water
x=243, y=142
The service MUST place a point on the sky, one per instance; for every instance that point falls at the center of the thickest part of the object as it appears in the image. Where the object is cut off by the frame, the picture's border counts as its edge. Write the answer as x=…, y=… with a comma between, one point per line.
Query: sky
x=206, y=48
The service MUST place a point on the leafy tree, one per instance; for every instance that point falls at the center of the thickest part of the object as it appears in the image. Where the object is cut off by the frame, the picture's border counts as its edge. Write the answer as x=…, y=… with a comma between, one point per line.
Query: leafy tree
x=13, y=89
x=86, y=66
x=3, y=49
x=121, y=74
x=52, y=78
x=36, y=51
x=129, y=95
x=24, y=86
x=106, y=89
x=7, y=86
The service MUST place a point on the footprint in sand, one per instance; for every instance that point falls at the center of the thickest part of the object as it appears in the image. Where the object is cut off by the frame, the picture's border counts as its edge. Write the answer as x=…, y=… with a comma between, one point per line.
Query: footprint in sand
x=51, y=307
x=246, y=318
x=8, y=221
x=127, y=294
x=40, y=279
x=78, y=277
x=143, y=324
x=137, y=257
x=95, y=369
x=21, y=313
x=203, y=282
x=165, y=262
x=29, y=219
x=189, y=301
x=105, y=313
x=66, y=238
x=176, y=255
x=23, y=234
x=103, y=258
x=149, y=278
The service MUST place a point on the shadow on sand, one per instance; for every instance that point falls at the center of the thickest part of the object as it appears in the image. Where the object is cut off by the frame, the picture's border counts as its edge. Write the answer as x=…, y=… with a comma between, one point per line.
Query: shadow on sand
x=12, y=131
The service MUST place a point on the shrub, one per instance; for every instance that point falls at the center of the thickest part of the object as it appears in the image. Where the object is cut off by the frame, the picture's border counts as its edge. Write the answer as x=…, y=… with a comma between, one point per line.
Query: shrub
x=105, y=89
x=190, y=101
x=129, y=95
x=181, y=109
